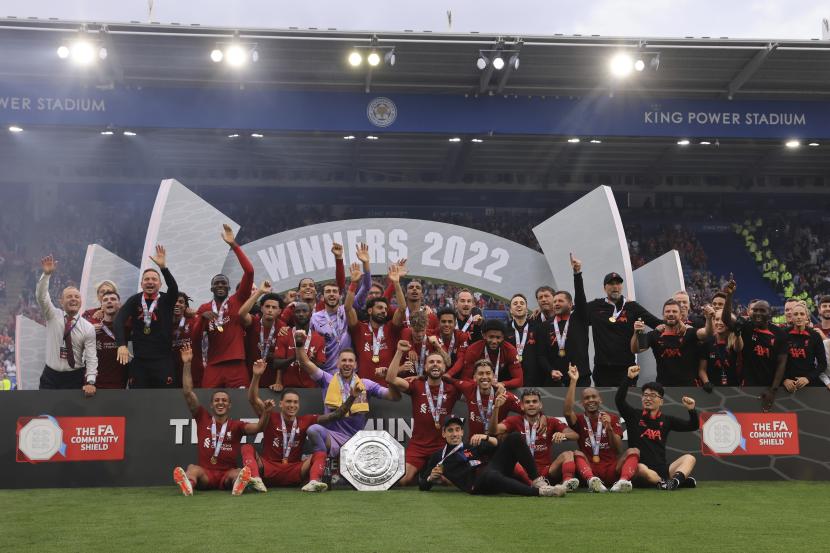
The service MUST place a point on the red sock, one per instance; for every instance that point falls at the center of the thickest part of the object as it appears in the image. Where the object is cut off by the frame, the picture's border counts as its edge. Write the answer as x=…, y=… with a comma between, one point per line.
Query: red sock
x=249, y=460
x=192, y=482
x=629, y=466
x=583, y=467
x=520, y=473
x=568, y=469
x=318, y=466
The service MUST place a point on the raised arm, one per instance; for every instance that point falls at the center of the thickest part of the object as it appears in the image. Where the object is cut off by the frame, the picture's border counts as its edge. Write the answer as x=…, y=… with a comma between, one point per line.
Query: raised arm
x=348, y=304
x=253, y=389
x=570, y=396
x=580, y=302
x=245, y=308
x=247, y=281
x=395, y=274
x=160, y=259
x=187, y=380
x=339, y=269
x=709, y=328
x=494, y=427
x=628, y=412
x=366, y=279
x=435, y=346
x=688, y=425
x=48, y=309
x=392, y=377
x=726, y=314
x=259, y=426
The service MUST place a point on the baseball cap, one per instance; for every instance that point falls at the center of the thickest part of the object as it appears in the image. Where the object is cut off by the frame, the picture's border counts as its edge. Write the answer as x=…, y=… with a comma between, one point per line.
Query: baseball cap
x=454, y=420
x=611, y=277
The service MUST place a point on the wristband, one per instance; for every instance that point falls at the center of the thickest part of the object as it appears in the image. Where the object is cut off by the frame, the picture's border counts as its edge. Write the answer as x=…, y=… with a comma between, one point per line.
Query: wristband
x=353, y=287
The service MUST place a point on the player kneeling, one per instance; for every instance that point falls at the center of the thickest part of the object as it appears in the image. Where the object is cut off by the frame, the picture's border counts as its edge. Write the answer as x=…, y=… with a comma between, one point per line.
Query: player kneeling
x=463, y=464
x=601, y=458
x=219, y=439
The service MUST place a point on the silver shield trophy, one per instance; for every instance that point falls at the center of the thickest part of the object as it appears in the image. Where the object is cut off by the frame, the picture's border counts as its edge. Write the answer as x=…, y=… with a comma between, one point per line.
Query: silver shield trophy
x=372, y=460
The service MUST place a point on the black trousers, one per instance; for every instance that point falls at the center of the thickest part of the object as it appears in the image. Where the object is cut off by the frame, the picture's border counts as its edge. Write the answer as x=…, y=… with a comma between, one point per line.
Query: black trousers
x=151, y=373
x=497, y=476
x=609, y=375
x=51, y=379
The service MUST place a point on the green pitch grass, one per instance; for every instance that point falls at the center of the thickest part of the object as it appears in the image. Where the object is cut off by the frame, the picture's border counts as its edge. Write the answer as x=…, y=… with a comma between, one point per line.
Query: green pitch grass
x=717, y=517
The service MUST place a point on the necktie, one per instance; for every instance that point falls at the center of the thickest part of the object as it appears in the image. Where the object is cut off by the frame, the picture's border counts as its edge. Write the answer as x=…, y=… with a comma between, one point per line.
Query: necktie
x=67, y=342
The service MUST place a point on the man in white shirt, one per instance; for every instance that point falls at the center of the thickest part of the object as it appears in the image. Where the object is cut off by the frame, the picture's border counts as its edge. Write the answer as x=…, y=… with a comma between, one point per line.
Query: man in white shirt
x=71, y=360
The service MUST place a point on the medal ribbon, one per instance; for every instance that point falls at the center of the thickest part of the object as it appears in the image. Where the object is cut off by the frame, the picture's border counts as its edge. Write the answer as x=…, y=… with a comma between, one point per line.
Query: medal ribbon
x=485, y=413
x=147, y=314
x=562, y=337
x=265, y=345
x=616, y=311
x=422, y=358
x=287, y=439
x=530, y=434
x=377, y=339
x=444, y=453
x=220, y=313
x=217, y=442
x=435, y=406
x=520, y=344
x=498, y=361
x=595, y=436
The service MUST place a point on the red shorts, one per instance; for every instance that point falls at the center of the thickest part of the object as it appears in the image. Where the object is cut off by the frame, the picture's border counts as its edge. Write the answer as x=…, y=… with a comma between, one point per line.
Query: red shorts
x=216, y=479
x=417, y=455
x=282, y=474
x=606, y=471
x=230, y=374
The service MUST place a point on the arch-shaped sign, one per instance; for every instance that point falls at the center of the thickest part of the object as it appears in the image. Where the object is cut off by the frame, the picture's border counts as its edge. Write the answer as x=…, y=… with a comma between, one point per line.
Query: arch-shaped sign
x=439, y=251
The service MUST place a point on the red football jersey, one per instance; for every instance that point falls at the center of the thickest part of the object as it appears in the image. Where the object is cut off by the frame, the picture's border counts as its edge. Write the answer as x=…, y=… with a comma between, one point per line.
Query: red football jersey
x=273, y=438
x=542, y=447
x=254, y=341
x=229, y=452
x=607, y=452
x=111, y=374
x=362, y=341
x=424, y=433
x=293, y=376
x=509, y=370
x=479, y=415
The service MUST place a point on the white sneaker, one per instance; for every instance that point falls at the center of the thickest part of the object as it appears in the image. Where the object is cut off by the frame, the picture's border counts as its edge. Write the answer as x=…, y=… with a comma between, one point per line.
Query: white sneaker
x=315, y=486
x=571, y=484
x=180, y=478
x=241, y=481
x=553, y=491
x=595, y=485
x=540, y=482
x=621, y=486
x=257, y=484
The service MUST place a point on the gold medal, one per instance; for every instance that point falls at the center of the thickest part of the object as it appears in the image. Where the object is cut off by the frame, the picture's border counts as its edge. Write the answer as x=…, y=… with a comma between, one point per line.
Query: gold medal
x=562, y=353
x=146, y=330
x=437, y=426
x=213, y=460
x=284, y=461
x=375, y=359
x=595, y=459
x=519, y=358
x=220, y=329
x=612, y=319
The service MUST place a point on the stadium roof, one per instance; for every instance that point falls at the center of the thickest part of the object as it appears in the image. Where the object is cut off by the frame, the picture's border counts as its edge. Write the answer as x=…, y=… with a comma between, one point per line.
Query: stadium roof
x=436, y=63
x=314, y=59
